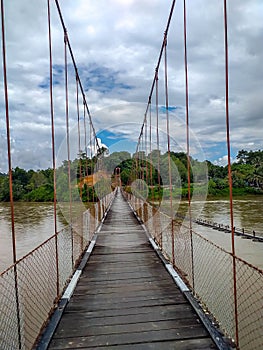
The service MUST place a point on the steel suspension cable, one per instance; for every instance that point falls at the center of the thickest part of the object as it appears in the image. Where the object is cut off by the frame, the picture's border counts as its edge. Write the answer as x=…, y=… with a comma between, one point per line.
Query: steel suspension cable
x=161, y=51
x=75, y=68
x=229, y=170
x=155, y=85
x=53, y=139
x=10, y=173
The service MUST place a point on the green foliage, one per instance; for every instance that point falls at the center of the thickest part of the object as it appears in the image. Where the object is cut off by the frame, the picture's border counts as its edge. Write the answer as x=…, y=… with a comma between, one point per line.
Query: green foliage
x=44, y=193
x=155, y=193
x=218, y=187
x=29, y=185
x=249, y=169
x=4, y=188
x=89, y=194
x=247, y=177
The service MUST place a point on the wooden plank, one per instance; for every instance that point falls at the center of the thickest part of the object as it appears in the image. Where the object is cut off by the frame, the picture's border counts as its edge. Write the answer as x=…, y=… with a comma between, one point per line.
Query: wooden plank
x=172, y=310
x=106, y=303
x=70, y=318
x=197, y=344
x=83, y=330
x=94, y=341
x=125, y=298
x=82, y=302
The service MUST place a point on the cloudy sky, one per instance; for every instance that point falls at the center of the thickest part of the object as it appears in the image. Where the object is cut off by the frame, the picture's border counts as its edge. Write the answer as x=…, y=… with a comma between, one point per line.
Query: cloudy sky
x=116, y=44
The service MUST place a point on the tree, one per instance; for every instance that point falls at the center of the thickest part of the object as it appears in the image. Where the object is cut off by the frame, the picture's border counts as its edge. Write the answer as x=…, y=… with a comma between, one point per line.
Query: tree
x=38, y=179
x=242, y=157
x=4, y=189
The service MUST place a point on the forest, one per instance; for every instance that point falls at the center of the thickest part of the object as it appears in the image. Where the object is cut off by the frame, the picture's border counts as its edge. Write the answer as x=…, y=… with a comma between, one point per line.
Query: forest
x=38, y=186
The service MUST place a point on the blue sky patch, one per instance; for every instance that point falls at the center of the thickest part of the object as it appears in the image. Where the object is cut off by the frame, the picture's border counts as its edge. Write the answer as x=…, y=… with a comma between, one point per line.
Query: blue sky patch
x=58, y=76
x=97, y=78
x=102, y=79
x=170, y=109
x=116, y=141
x=109, y=138
x=218, y=150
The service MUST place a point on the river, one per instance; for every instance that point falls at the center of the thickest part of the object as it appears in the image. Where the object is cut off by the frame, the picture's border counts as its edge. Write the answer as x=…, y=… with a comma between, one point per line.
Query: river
x=247, y=215
x=34, y=223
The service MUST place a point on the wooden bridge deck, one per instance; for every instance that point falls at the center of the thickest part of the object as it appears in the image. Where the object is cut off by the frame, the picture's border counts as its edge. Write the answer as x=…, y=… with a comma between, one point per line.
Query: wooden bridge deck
x=125, y=298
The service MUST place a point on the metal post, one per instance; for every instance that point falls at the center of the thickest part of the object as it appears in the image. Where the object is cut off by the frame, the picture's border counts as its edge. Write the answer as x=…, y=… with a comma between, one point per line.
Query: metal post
x=230, y=172
x=188, y=143
x=53, y=142
x=10, y=173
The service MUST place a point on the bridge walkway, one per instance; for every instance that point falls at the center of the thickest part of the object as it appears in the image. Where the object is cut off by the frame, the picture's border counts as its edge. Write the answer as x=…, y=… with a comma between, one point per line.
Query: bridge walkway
x=125, y=298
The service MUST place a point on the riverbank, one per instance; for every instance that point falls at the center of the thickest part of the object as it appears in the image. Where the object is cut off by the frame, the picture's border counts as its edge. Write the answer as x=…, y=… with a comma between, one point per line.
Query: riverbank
x=197, y=191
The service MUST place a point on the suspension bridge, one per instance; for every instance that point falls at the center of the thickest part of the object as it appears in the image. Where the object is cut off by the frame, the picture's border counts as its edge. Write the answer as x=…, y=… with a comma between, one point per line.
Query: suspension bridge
x=125, y=272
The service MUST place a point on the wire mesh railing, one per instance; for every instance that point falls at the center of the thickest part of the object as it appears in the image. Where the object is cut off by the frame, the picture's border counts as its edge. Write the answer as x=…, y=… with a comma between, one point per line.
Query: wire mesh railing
x=9, y=332
x=208, y=271
x=28, y=289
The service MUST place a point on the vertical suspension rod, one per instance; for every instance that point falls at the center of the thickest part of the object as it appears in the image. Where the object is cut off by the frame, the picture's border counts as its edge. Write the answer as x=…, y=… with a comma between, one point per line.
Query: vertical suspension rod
x=157, y=129
x=150, y=140
x=10, y=172
x=146, y=149
x=230, y=171
x=79, y=137
x=168, y=143
x=8, y=133
x=188, y=141
x=142, y=160
x=85, y=140
x=53, y=139
x=78, y=114
x=68, y=143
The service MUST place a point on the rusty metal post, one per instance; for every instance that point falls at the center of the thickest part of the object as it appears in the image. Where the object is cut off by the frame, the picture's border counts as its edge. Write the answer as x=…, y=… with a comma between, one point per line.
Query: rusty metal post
x=10, y=172
x=188, y=145
x=53, y=141
x=230, y=171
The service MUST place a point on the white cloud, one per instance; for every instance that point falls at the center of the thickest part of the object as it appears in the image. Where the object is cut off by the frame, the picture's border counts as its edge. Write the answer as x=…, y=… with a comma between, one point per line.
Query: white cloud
x=116, y=45
x=221, y=161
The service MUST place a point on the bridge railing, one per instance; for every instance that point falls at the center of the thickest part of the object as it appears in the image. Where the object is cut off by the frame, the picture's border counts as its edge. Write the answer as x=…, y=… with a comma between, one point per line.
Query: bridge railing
x=31, y=288
x=208, y=270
